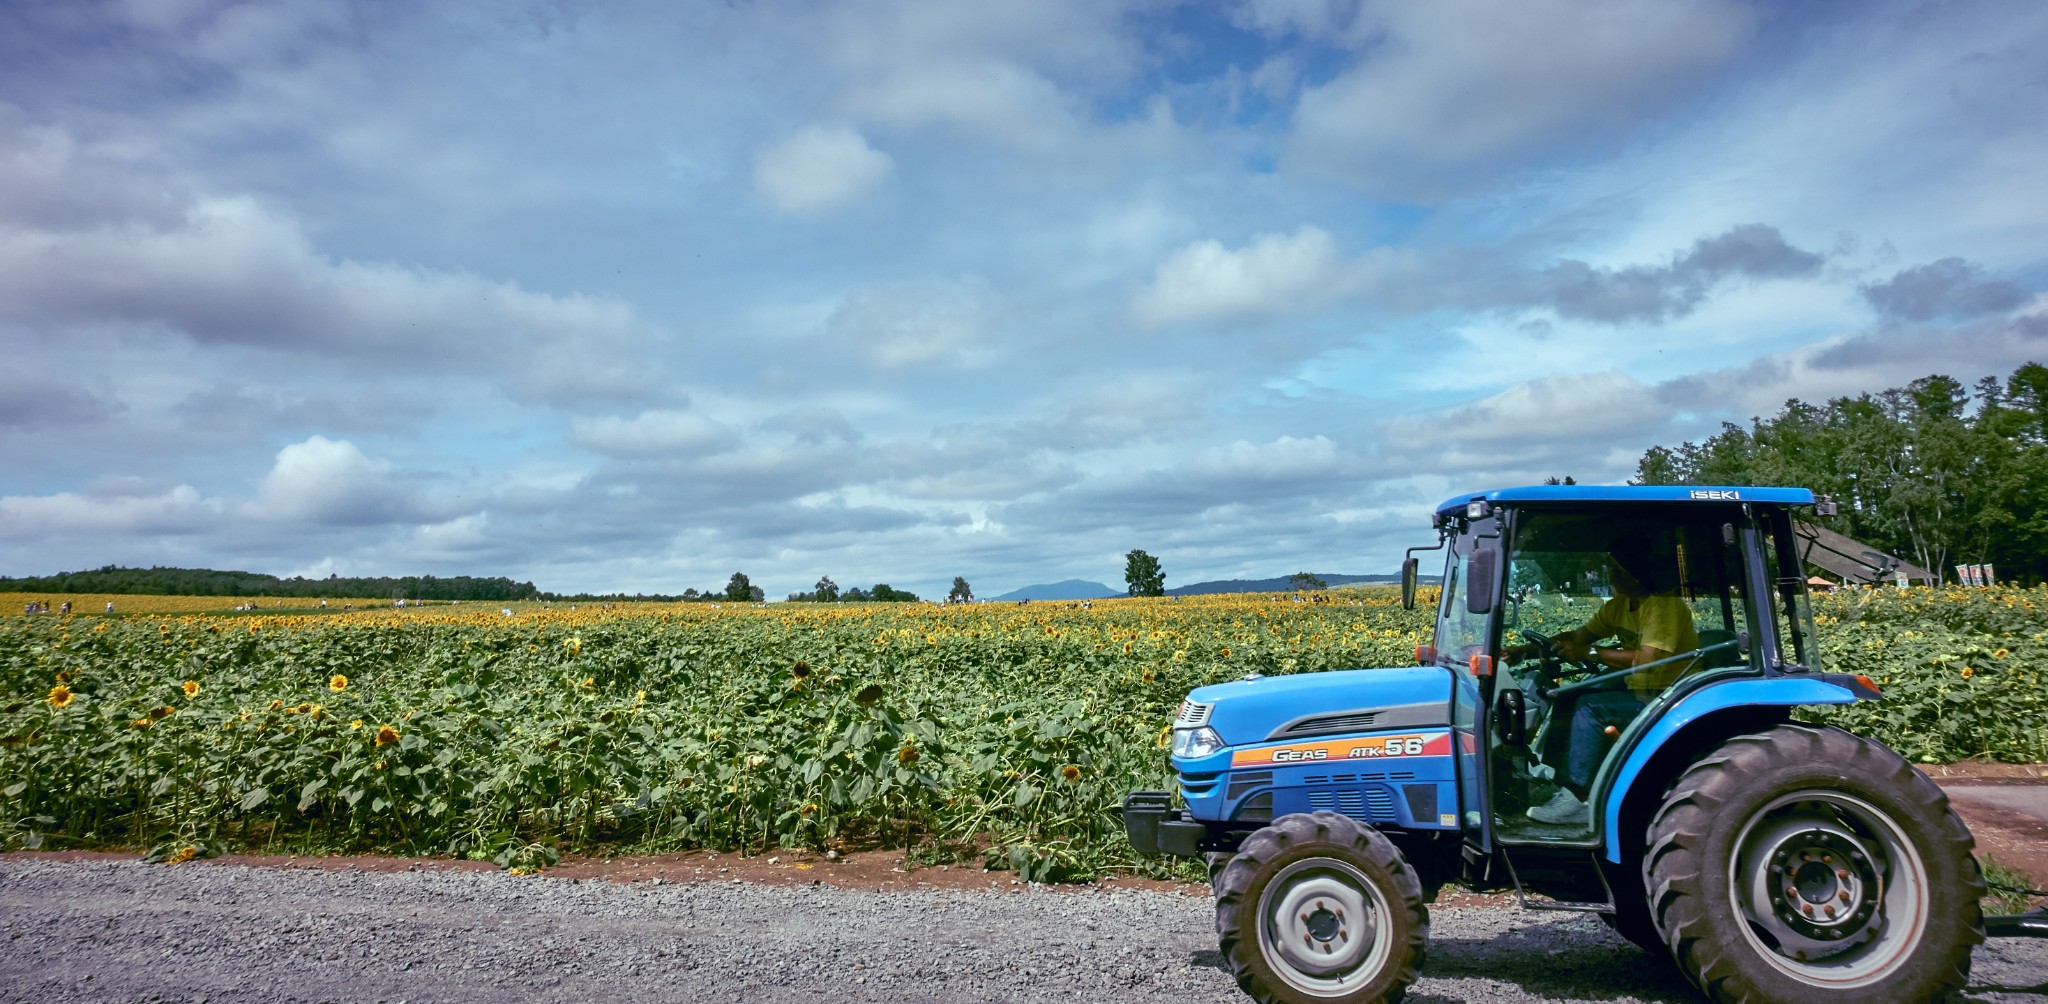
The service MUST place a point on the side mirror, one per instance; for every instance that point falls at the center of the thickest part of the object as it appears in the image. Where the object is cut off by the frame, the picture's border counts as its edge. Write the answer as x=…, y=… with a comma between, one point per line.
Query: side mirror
x=1479, y=582
x=1408, y=571
x=1511, y=713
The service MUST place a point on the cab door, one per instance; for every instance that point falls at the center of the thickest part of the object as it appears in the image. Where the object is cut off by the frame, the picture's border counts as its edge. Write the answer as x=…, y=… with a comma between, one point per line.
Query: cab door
x=1464, y=644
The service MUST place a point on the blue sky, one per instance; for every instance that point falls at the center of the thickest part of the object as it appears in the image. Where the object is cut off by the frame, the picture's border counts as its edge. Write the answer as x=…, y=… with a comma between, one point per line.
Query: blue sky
x=631, y=296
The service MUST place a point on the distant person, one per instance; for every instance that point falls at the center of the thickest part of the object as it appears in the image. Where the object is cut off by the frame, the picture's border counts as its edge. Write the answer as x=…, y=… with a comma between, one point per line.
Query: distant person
x=110, y=606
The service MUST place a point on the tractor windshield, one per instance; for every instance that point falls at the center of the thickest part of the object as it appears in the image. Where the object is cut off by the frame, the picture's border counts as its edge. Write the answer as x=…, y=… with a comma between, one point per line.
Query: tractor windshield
x=1464, y=616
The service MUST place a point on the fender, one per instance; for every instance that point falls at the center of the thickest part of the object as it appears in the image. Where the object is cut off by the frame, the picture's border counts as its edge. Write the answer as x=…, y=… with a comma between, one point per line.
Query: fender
x=1783, y=691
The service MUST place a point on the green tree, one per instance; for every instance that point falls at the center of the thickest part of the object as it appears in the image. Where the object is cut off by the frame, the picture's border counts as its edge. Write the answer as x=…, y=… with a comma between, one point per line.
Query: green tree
x=739, y=589
x=1143, y=575
x=826, y=591
x=1305, y=581
x=962, y=592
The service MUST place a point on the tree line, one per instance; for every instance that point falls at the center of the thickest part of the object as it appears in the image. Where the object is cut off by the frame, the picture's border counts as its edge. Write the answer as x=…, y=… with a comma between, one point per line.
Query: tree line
x=828, y=591
x=161, y=581
x=1933, y=471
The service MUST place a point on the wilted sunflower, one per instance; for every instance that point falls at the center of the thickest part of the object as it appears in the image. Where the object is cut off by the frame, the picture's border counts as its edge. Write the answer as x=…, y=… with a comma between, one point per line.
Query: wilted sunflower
x=337, y=683
x=802, y=670
x=809, y=809
x=191, y=688
x=907, y=754
x=1166, y=737
x=868, y=695
x=358, y=723
x=61, y=696
x=386, y=735
x=574, y=646
x=159, y=714
x=1071, y=772
x=588, y=682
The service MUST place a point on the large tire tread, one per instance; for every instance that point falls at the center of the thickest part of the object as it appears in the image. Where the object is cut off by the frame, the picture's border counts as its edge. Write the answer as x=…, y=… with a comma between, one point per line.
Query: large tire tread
x=1236, y=911
x=1678, y=873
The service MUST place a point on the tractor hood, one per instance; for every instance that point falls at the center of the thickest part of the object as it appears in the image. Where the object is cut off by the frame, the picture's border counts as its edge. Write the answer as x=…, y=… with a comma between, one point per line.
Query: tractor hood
x=1331, y=703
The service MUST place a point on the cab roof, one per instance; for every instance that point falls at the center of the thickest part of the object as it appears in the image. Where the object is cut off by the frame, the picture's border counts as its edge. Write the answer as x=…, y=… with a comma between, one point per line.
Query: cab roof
x=1568, y=494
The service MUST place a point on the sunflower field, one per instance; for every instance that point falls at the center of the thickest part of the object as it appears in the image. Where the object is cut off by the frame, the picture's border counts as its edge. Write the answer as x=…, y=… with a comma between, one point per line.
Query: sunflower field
x=1001, y=733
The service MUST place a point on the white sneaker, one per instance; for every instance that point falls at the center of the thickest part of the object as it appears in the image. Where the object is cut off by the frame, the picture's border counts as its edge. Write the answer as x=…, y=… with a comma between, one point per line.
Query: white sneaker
x=1563, y=807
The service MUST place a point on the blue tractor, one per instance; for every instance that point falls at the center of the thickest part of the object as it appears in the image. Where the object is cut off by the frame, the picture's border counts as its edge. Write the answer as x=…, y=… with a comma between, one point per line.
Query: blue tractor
x=1603, y=723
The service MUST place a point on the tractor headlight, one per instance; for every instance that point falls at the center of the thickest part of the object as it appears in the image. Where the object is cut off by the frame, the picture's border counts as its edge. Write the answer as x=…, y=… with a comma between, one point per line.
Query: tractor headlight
x=1192, y=744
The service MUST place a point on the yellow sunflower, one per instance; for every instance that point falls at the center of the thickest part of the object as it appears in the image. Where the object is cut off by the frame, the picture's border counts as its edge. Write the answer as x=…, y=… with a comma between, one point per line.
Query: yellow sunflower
x=1071, y=772
x=386, y=735
x=191, y=688
x=337, y=683
x=61, y=696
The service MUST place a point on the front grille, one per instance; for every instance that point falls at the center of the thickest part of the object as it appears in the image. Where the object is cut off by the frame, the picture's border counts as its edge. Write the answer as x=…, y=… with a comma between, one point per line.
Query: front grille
x=1373, y=804
x=1319, y=725
x=1192, y=715
x=1200, y=784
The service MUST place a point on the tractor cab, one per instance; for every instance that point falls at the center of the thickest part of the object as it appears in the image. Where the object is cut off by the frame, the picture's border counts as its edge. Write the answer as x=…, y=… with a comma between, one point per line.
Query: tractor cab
x=1577, y=616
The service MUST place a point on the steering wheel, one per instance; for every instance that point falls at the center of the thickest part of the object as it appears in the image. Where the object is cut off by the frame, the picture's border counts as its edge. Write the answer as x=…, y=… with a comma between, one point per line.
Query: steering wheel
x=1552, y=665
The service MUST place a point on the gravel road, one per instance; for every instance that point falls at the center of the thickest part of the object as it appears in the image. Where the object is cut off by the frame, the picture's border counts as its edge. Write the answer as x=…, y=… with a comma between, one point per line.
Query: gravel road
x=126, y=931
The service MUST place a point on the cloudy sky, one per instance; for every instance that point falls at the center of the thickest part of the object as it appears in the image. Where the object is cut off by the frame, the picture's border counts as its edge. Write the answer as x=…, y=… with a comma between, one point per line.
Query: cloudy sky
x=631, y=296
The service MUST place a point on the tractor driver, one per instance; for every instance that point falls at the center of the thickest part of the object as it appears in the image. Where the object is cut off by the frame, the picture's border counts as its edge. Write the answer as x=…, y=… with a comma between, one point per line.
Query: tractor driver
x=1648, y=621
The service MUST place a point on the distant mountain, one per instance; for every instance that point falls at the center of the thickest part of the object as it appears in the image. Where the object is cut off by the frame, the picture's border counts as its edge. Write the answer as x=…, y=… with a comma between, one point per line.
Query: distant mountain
x=1279, y=585
x=1069, y=589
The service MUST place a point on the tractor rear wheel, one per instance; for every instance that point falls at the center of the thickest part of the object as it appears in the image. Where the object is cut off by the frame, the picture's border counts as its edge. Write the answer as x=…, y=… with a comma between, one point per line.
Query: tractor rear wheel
x=1804, y=863
x=1319, y=907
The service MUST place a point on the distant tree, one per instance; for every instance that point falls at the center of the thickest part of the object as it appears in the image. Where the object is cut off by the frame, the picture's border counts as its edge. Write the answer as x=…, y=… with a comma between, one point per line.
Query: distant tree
x=826, y=591
x=1303, y=580
x=1555, y=480
x=962, y=593
x=1143, y=575
x=739, y=589
x=854, y=595
x=884, y=593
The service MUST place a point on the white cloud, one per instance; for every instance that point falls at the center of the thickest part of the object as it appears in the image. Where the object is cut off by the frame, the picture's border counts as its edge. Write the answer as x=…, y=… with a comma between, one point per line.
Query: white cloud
x=179, y=510
x=1460, y=86
x=107, y=248
x=919, y=323
x=1017, y=74
x=653, y=434
x=328, y=481
x=454, y=538
x=819, y=169
x=1287, y=458
x=1276, y=273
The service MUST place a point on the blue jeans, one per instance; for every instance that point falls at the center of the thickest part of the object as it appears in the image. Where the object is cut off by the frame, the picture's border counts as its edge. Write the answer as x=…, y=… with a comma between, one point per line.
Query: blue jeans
x=1591, y=714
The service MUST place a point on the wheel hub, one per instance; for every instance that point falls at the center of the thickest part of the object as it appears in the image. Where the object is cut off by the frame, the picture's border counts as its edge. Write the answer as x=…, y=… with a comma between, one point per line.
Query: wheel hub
x=1320, y=923
x=1828, y=889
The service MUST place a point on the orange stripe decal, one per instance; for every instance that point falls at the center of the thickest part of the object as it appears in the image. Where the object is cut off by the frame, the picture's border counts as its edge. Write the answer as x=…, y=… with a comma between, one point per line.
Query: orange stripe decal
x=1360, y=748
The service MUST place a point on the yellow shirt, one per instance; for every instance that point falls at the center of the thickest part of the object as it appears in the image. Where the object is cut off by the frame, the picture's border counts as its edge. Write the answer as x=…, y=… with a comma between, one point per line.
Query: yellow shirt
x=1660, y=622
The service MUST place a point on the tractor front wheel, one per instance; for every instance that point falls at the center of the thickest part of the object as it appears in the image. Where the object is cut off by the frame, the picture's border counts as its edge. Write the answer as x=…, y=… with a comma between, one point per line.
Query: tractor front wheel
x=1805, y=863
x=1319, y=907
